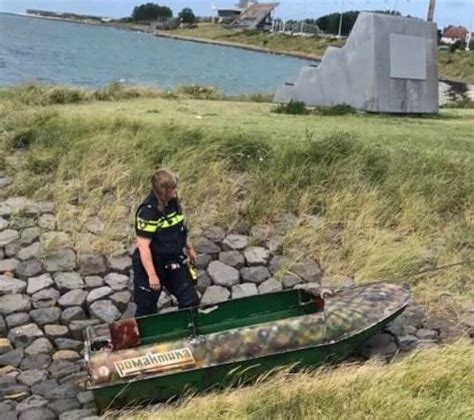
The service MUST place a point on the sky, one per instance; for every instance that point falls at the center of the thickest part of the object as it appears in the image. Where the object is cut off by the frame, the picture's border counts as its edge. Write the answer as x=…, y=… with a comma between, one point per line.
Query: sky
x=448, y=12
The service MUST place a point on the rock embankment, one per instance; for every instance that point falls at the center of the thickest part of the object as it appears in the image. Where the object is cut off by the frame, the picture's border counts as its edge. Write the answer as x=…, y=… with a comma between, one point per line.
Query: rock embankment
x=49, y=294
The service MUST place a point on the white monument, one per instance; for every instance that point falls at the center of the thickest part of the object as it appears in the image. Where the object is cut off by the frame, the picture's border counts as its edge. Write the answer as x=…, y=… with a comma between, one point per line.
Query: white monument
x=389, y=64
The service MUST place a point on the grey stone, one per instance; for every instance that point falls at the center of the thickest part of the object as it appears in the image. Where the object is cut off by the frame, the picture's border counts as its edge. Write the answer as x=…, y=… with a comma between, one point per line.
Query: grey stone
x=47, y=221
x=35, y=250
x=121, y=299
x=29, y=235
x=407, y=342
x=44, y=387
x=13, y=391
x=312, y=287
x=8, y=264
x=45, y=206
x=129, y=311
x=232, y=258
x=8, y=236
x=203, y=260
x=120, y=263
x=222, y=274
x=425, y=344
x=29, y=268
x=12, y=249
x=244, y=290
x=17, y=319
x=380, y=345
x=40, y=345
x=104, y=310
x=94, y=226
x=234, y=241
x=85, y=397
x=34, y=401
x=270, y=286
x=3, y=223
x=35, y=284
x=77, y=327
x=55, y=330
x=79, y=378
x=45, y=298
x=66, y=355
x=63, y=406
x=214, y=294
x=64, y=260
x=2, y=254
x=24, y=335
x=75, y=297
x=261, y=233
x=256, y=255
x=62, y=391
x=308, y=270
x=290, y=281
x=116, y=281
x=256, y=274
x=37, y=361
x=43, y=316
x=409, y=330
x=61, y=368
x=32, y=376
x=10, y=285
x=14, y=303
x=205, y=246
x=56, y=241
x=277, y=263
x=69, y=344
x=41, y=413
x=414, y=315
x=77, y=414
x=5, y=345
x=204, y=281
x=92, y=282
x=68, y=281
x=3, y=326
x=425, y=334
x=100, y=293
x=275, y=244
x=12, y=358
x=164, y=301
x=91, y=264
x=74, y=313
x=214, y=234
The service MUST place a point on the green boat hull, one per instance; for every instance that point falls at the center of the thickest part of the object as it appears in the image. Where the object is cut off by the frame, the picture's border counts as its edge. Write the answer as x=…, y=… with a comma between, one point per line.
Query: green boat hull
x=164, y=388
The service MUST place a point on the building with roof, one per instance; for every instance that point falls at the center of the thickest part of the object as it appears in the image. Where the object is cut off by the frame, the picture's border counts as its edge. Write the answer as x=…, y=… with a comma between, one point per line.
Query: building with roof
x=452, y=34
x=256, y=16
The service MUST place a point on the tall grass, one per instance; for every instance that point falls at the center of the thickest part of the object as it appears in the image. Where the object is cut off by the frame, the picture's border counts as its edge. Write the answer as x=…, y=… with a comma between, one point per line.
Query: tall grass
x=433, y=384
x=392, y=196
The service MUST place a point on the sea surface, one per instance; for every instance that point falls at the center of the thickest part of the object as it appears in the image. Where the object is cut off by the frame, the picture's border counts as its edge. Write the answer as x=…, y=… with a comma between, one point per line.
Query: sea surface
x=68, y=53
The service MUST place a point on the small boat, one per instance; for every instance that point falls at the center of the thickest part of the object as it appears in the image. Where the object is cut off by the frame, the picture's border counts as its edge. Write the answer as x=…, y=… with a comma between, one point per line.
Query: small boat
x=163, y=356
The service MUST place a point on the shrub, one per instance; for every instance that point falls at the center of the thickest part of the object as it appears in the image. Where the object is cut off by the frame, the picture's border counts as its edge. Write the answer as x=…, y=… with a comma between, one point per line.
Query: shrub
x=200, y=91
x=340, y=109
x=292, y=108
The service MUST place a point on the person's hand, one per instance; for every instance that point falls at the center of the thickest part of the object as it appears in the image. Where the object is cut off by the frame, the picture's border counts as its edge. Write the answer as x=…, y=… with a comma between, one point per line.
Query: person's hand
x=154, y=283
x=192, y=255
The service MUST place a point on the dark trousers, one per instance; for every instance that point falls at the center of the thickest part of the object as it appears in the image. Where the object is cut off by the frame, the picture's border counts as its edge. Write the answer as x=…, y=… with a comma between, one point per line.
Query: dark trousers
x=177, y=282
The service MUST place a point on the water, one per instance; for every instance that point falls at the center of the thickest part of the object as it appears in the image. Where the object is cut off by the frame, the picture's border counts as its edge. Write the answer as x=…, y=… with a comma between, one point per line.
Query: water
x=68, y=53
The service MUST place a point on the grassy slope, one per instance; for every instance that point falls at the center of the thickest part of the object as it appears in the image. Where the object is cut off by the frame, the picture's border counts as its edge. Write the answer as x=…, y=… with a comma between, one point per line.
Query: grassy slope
x=434, y=384
x=395, y=194
x=458, y=65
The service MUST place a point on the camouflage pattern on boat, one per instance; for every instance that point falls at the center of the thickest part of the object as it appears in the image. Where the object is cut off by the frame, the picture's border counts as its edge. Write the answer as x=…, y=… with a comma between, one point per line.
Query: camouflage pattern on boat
x=346, y=313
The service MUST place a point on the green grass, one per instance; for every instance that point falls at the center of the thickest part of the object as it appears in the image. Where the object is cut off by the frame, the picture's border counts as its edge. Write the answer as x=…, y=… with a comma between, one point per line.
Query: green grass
x=395, y=194
x=433, y=384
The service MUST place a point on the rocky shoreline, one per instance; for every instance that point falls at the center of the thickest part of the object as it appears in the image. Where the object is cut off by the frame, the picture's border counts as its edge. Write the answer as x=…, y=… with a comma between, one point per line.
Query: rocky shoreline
x=50, y=292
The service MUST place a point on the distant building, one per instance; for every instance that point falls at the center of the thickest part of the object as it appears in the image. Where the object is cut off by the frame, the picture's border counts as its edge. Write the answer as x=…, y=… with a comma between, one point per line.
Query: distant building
x=256, y=16
x=228, y=15
x=452, y=34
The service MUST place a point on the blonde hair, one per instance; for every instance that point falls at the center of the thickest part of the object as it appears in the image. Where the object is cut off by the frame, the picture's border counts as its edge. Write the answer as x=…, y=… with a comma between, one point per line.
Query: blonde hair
x=161, y=181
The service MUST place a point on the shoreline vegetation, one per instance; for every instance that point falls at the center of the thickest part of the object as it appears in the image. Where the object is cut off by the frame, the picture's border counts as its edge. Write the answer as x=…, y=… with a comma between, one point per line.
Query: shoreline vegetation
x=456, y=66
x=373, y=197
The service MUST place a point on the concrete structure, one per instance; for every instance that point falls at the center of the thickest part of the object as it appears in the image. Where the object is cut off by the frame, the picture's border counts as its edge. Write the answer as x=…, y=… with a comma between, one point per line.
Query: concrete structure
x=389, y=64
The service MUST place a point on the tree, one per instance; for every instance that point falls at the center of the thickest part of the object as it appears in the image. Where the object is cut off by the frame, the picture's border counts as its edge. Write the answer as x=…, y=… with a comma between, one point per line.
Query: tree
x=151, y=11
x=187, y=16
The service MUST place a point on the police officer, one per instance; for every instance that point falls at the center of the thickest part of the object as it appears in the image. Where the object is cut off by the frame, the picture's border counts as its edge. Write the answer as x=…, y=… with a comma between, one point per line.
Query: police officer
x=162, y=246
